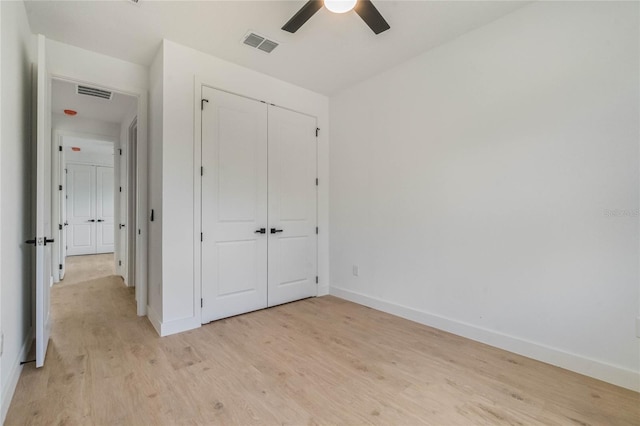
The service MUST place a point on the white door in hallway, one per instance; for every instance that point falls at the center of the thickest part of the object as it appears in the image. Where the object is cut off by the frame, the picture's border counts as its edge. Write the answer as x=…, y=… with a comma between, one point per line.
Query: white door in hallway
x=234, y=205
x=292, y=206
x=105, y=230
x=90, y=209
x=43, y=237
x=81, y=209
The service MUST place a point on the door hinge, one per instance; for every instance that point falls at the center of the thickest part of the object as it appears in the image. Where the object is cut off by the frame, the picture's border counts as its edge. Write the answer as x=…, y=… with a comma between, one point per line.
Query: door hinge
x=120, y=150
x=201, y=171
x=59, y=187
x=120, y=189
x=202, y=101
x=59, y=227
x=316, y=181
x=201, y=237
x=317, y=131
x=201, y=303
x=139, y=232
x=60, y=266
x=66, y=171
x=316, y=229
x=60, y=148
x=316, y=279
x=119, y=262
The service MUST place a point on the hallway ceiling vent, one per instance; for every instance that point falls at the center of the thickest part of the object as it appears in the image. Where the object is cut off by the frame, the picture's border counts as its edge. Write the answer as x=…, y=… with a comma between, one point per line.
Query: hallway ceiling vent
x=92, y=91
x=259, y=42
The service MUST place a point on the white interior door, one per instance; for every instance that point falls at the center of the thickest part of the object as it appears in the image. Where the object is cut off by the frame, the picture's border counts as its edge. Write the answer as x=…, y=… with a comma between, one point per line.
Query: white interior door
x=105, y=231
x=234, y=205
x=63, y=216
x=81, y=209
x=43, y=239
x=132, y=205
x=292, y=206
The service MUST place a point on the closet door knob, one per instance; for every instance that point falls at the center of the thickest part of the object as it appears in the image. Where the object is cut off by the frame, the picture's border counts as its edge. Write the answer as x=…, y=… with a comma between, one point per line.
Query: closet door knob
x=91, y=220
x=261, y=231
x=100, y=220
x=275, y=231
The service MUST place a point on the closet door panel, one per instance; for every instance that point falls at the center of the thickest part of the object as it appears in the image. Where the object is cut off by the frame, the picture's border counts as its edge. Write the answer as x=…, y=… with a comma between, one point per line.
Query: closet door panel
x=81, y=196
x=105, y=231
x=234, y=205
x=292, y=206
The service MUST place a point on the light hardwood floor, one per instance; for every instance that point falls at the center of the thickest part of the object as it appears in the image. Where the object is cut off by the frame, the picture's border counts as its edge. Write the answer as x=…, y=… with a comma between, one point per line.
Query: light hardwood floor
x=317, y=361
x=87, y=268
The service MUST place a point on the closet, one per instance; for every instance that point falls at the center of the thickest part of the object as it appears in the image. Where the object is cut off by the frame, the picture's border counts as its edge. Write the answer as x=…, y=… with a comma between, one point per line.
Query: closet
x=259, y=220
x=90, y=200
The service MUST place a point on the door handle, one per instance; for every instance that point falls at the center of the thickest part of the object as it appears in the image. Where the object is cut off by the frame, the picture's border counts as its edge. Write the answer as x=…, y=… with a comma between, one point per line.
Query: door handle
x=91, y=220
x=260, y=231
x=66, y=224
x=275, y=231
x=122, y=225
x=38, y=241
x=100, y=220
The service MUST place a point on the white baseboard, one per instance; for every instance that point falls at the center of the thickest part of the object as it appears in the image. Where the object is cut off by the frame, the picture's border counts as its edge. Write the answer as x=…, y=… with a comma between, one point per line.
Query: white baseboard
x=619, y=376
x=178, y=326
x=14, y=376
x=154, y=319
x=171, y=327
x=323, y=290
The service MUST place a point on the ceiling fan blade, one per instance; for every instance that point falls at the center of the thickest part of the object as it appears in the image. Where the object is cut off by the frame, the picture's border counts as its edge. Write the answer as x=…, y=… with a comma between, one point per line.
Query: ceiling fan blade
x=371, y=16
x=303, y=15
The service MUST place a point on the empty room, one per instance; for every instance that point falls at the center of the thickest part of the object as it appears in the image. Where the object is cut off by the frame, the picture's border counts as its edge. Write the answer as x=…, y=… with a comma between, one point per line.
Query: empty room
x=393, y=212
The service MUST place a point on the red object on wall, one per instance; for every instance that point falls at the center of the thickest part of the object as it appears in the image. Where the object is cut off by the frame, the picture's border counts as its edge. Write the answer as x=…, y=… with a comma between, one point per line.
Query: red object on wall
x=70, y=112
x=75, y=148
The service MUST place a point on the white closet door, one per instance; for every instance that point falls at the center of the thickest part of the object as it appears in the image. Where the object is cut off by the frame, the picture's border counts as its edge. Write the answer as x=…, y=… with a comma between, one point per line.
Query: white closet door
x=234, y=205
x=105, y=231
x=81, y=209
x=292, y=206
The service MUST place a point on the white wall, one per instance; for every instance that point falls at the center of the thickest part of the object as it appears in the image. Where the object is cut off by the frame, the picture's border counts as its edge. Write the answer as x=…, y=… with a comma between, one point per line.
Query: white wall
x=472, y=184
x=18, y=52
x=180, y=288
x=82, y=65
x=64, y=123
x=156, y=112
x=89, y=158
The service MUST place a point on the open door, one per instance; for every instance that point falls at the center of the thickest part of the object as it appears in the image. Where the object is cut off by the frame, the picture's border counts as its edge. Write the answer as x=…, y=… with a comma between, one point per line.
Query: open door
x=43, y=240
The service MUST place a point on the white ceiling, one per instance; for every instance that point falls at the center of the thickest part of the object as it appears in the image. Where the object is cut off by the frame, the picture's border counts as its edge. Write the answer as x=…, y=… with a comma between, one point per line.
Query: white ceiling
x=330, y=52
x=64, y=96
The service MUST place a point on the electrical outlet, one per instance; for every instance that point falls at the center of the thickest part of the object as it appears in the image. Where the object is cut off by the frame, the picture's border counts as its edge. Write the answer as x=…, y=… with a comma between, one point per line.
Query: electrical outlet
x=356, y=270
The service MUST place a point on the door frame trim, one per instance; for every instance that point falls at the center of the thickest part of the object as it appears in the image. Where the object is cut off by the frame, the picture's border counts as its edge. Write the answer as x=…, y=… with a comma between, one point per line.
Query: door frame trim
x=59, y=178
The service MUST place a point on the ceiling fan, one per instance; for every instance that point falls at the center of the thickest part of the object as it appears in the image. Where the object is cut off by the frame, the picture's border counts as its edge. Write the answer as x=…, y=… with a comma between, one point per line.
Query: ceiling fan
x=364, y=8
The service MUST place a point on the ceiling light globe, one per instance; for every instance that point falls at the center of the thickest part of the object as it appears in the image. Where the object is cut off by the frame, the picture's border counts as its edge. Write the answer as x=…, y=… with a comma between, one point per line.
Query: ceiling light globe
x=339, y=6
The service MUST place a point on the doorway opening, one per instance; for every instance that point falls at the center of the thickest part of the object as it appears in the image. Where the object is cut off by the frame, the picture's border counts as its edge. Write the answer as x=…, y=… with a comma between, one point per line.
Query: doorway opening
x=95, y=193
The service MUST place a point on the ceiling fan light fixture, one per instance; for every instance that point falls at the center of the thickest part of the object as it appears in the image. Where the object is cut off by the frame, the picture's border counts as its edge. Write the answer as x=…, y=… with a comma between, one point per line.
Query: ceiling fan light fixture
x=340, y=6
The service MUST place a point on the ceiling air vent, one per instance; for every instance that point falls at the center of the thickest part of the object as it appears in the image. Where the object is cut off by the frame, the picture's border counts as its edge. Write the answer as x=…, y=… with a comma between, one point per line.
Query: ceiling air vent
x=92, y=91
x=259, y=42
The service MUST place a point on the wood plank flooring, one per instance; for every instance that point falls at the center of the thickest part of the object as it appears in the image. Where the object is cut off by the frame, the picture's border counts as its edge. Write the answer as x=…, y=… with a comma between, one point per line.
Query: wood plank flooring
x=313, y=362
x=87, y=268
